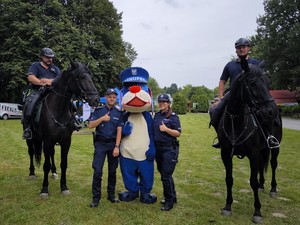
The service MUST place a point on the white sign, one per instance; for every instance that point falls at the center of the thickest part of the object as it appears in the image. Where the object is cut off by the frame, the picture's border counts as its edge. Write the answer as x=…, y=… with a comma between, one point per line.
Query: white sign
x=86, y=111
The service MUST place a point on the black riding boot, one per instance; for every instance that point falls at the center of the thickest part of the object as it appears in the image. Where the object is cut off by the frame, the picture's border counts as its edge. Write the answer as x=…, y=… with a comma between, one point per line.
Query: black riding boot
x=217, y=114
x=215, y=120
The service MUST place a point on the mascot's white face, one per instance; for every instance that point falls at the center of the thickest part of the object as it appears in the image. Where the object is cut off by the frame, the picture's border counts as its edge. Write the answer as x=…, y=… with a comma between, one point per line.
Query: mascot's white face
x=135, y=94
x=136, y=98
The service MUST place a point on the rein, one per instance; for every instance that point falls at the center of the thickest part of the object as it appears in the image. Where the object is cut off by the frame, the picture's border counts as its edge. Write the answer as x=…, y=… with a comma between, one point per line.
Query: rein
x=238, y=141
x=63, y=125
x=255, y=102
x=253, y=108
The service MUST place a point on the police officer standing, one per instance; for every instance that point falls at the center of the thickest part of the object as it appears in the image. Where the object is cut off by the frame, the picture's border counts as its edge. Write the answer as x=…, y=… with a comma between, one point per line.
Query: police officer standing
x=40, y=74
x=107, y=140
x=166, y=127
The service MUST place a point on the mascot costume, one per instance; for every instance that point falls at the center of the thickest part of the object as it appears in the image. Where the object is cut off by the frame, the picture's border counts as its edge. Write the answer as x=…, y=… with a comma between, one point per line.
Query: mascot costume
x=137, y=149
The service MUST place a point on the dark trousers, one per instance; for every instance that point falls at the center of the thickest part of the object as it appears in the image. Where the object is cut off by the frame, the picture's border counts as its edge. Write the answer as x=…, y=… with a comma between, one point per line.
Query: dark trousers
x=101, y=151
x=166, y=159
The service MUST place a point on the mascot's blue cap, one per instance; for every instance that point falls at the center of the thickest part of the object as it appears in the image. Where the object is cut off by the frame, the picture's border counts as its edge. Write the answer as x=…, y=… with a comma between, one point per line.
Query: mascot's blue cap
x=134, y=74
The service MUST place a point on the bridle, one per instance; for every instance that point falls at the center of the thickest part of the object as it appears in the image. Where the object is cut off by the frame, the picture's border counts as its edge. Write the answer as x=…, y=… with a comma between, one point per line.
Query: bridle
x=78, y=72
x=253, y=107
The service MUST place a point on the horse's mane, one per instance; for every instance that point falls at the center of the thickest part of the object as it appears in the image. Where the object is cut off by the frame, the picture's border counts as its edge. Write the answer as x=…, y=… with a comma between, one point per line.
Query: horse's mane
x=74, y=68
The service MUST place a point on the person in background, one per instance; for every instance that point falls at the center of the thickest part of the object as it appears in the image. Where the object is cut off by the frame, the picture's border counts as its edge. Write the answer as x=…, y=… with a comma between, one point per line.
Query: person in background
x=231, y=70
x=166, y=129
x=40, y=74
x=106, y=120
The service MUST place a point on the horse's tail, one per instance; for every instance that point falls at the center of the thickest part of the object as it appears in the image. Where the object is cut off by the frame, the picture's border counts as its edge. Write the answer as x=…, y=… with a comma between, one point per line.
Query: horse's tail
x=37, y=151
x=266, y=158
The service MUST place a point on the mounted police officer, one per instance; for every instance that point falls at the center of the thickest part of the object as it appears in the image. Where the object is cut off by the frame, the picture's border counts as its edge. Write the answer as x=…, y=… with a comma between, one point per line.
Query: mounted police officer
x=106, y=120
x=166, y=129
x=231, y=70
x=40, y=74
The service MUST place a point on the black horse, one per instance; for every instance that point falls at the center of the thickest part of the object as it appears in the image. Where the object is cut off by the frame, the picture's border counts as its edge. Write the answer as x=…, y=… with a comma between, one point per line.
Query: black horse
x=56, y=122
x=249, y=116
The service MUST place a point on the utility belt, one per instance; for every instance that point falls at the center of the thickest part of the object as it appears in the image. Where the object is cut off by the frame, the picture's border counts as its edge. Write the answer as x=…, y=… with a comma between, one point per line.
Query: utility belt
x=174, y=144
x=104, y=140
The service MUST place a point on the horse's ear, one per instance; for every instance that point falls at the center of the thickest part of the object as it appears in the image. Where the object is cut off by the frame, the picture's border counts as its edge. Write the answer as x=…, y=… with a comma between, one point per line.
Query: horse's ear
x=73, y=65
x=244, y=64
x=262, y=64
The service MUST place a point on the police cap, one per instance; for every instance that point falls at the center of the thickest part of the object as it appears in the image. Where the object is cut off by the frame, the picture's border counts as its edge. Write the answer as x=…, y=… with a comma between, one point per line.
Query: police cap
x=163, y=98
x=111, y=91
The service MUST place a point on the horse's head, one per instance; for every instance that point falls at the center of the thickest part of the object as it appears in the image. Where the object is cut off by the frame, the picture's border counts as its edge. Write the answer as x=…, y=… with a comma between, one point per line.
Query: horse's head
x=81, y=84
x=255, y=85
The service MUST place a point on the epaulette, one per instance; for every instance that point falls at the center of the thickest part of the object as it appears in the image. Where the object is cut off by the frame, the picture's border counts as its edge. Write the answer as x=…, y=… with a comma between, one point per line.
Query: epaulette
x=99, y=107
x=118, y=108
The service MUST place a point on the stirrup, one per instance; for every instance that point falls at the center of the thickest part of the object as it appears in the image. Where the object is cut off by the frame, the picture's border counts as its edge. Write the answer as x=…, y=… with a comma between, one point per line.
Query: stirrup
x=275, y=141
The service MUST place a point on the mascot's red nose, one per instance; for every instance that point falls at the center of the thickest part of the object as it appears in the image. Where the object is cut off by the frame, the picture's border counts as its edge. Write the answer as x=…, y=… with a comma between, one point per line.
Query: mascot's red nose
x=135, y=89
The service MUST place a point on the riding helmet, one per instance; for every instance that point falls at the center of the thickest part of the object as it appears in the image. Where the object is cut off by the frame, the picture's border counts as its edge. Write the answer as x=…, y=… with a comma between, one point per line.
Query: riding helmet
x=163, y=98
x=242, y=42
x=47, y=52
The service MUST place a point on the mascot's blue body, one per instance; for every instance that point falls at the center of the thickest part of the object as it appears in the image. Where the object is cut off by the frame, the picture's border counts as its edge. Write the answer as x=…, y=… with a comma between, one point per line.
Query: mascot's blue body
x=137, y=147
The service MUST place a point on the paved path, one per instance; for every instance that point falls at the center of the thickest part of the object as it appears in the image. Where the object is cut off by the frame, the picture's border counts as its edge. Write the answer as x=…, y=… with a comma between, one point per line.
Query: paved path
x=293, y=124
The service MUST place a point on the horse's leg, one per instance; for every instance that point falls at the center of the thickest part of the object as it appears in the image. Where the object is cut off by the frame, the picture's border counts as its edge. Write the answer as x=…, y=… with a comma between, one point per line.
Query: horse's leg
x=31, y=155
x=254, y=166
x=261, y=183
x=227, y=161
x=274, y=163
x=64, y=165
x=53, y=166
x=47, y=166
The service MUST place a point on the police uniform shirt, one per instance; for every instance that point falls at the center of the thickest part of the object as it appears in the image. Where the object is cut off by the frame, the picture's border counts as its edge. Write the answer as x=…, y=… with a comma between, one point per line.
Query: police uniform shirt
x=41, y=72
x=107, y=129
x=171, y=122
x=233, y=68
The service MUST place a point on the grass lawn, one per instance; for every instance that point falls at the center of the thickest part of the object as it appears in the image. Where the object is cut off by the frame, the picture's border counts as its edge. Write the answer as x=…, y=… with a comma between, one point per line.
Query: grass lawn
x=199, y=179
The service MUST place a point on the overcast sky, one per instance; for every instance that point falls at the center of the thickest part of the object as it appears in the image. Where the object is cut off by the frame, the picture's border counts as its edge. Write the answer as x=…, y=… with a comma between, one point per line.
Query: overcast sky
x=186, y=41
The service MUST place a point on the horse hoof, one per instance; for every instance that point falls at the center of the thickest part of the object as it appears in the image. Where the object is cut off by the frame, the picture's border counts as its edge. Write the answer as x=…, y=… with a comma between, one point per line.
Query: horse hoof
x=32, y=177
x=261, y=189
x=257, y=219
x=273, y=194
x=44, y=195
x=225, y=212
x=65, y=192
x=54, y=176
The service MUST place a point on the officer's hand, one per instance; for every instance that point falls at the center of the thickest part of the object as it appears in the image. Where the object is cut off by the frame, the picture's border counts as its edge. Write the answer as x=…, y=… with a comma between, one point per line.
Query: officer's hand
x=106, y=117
x=45, y=82
x=116, y=152
x=162, y=127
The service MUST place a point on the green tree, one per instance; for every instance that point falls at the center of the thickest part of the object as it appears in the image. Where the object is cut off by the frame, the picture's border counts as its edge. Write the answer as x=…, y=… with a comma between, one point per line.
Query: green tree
x=171, y=90
x=277, y=42
x=179, y=104
x=84, y=30
x=156, y=90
